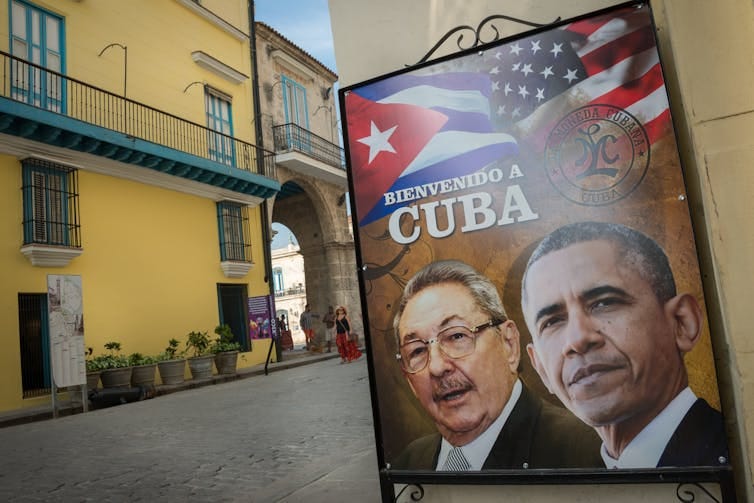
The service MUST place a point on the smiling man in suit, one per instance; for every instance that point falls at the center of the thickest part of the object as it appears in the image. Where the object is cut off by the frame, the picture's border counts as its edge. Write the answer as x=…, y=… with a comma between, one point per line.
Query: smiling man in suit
x=609, y=333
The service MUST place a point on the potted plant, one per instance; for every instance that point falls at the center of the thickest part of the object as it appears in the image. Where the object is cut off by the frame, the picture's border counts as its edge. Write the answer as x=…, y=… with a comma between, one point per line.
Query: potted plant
x=226, y=350
x=144, y=369
x=201, y=363
x=116, y=368
x=93, y=370
x=171, y=364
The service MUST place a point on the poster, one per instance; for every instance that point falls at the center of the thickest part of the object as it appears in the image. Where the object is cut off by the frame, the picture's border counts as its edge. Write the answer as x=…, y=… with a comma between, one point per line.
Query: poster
x=550, y=154
x=261, y=321
x=66, y=321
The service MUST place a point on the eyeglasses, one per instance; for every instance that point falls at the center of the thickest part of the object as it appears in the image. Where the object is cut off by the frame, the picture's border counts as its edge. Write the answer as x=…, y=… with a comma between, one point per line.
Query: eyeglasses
x=454, y=342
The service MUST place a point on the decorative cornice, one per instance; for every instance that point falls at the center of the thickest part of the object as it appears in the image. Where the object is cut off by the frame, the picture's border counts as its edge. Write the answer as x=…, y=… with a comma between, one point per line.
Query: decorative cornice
x=216, y=66
x=234, y=269
x=287, y=60
x=50, y=256
x=215, y=19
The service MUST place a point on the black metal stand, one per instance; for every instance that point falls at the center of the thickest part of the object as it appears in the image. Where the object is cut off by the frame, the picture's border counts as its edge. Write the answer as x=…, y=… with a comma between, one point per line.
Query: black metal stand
x=477, y=33
x=689, y=481
x=269, y=354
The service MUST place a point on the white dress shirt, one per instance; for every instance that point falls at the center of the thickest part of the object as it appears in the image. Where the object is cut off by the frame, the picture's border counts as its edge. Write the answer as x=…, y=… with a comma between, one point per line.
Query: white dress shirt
x=476, y=451
x=646, y=449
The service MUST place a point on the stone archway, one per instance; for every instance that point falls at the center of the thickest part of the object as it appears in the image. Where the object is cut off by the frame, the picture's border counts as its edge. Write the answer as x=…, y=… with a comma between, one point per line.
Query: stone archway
x=315, y=211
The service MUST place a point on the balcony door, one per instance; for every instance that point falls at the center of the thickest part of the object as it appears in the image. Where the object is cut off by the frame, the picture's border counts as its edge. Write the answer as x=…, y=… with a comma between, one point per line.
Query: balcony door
x=219, y=119
x=296, y=115
x=37, y=36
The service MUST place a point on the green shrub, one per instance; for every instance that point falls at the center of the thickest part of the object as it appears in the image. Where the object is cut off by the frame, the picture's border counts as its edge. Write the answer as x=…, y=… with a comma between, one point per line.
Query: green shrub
x=198, y=342
x=225, y=340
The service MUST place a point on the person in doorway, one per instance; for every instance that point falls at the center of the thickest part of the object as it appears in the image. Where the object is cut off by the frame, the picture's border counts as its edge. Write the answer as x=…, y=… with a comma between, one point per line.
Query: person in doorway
x=609, y=332
x=347, y=347
x=460, y=354
x=329, y=320
x=307, y=325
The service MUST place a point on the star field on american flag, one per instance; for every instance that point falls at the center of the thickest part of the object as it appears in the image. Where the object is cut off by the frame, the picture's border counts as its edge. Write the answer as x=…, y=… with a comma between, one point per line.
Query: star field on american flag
x=527, y=73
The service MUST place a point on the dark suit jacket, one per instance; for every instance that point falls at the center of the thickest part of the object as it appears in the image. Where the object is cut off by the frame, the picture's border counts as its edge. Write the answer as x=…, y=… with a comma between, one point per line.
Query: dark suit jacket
x=699, y=439
x=536, y=435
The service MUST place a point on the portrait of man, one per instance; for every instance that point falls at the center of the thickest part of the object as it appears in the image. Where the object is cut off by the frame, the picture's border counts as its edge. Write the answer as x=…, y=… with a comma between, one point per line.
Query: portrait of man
x=460, y=354
x=609, y=334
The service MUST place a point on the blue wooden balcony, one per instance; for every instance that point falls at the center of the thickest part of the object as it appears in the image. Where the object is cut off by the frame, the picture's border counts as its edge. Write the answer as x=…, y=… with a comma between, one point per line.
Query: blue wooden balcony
x=47, y=113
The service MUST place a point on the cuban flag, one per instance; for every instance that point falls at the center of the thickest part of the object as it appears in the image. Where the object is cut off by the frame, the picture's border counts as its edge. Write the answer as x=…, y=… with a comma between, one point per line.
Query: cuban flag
x=410, y=130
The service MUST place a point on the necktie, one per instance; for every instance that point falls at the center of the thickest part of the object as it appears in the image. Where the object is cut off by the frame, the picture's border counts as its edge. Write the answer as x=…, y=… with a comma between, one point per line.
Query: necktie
x=456, y=461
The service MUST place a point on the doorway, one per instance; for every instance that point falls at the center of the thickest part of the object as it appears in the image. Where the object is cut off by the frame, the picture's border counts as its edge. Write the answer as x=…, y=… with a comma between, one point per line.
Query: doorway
x=35, y=344
x=232, y=300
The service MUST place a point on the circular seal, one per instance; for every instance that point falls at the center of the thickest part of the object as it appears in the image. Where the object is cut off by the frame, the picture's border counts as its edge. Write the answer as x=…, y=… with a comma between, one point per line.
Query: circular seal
x=597, y=155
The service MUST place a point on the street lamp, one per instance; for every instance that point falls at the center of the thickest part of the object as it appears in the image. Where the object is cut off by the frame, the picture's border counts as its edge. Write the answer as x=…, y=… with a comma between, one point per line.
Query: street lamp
x=125, y=62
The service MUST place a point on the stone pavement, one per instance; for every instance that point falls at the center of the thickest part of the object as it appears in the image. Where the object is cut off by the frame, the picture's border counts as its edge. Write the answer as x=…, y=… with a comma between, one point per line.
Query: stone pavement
x=302, y=433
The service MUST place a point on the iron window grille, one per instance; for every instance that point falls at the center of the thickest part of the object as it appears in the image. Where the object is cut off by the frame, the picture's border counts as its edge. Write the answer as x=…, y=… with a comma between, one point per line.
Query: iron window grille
x=51, y=204
x=233, y=224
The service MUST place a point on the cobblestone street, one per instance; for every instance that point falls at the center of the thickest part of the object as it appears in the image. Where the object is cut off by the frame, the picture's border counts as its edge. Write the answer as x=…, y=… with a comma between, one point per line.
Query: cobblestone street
x=300, y=434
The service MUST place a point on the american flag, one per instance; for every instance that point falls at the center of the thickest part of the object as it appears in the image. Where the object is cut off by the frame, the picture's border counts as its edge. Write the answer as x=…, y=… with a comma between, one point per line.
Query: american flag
x=609, y=59
x=456, y=117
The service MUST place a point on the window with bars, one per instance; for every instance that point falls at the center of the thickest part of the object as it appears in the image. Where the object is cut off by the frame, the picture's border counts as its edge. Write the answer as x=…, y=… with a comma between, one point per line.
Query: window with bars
x=51, y=204
x=233, y=224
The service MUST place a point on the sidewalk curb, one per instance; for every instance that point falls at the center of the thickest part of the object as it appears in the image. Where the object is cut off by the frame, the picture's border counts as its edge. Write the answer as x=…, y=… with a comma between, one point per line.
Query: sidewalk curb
x=67, y=408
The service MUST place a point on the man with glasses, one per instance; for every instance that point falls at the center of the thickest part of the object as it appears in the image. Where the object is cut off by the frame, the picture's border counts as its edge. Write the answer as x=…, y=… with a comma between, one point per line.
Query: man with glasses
x=460, y=356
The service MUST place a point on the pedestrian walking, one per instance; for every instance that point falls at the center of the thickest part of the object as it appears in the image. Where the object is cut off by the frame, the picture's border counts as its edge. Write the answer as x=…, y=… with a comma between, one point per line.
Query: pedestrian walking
x=344, y=337
x=329, y=320
x=307, y=325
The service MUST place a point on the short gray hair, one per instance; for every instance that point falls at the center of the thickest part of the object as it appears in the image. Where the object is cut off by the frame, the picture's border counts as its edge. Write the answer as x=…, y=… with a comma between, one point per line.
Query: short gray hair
x=482, y=290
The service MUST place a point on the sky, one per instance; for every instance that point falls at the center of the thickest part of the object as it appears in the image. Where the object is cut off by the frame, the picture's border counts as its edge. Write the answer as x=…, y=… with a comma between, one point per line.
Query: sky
x=306, y=23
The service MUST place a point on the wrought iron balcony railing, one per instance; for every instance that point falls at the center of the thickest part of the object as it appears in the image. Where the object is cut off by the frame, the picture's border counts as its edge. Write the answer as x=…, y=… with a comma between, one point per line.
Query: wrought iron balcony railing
x=291, y=137
x=296, y=290
x=26, y=82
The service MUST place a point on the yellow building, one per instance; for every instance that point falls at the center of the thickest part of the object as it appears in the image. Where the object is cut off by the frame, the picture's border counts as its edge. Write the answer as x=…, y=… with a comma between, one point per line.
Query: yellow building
x=128, y=158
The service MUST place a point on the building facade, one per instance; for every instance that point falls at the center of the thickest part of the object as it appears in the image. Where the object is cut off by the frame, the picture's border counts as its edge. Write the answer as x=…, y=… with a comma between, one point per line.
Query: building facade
x=128, y=158
x=299, y=123
x=289, y=282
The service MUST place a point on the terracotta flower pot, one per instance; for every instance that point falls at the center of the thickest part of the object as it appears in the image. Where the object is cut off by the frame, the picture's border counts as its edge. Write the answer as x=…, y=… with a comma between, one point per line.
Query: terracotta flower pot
x=172, y=371
x=144, y=375
x=113, y=378
x=226, y=362
x=201, y=366
x=92, y=380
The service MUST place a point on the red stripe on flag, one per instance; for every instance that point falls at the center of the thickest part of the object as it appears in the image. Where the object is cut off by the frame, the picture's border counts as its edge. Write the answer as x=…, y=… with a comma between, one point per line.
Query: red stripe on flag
x=631, y=92
x=632, y=17
x=618, y=50
x=588, y=26
x=659, y=126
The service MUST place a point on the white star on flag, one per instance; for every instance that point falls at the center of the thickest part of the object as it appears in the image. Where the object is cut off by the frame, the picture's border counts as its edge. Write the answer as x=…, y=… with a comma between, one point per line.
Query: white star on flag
x=377, y=141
